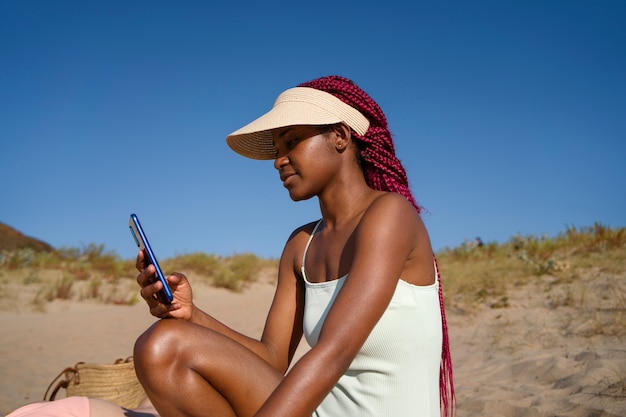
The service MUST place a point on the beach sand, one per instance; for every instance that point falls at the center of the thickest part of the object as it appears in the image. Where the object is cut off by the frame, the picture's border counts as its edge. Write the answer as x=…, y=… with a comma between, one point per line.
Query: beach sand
x=549, y=353
x=546, y=354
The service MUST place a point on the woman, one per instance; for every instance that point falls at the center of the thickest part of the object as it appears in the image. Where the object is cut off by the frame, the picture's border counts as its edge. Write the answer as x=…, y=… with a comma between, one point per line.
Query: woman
x=361, y=283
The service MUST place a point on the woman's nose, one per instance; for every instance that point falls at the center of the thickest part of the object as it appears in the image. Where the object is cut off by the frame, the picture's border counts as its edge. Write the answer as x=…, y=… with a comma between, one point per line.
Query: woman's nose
x=280, y=161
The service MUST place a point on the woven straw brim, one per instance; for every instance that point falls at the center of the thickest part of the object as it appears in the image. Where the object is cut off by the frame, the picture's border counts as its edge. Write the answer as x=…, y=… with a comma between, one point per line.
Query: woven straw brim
x=296, y=106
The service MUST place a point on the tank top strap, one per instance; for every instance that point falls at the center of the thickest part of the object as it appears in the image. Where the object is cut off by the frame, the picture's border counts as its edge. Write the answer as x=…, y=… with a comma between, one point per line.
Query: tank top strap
x=306, y=248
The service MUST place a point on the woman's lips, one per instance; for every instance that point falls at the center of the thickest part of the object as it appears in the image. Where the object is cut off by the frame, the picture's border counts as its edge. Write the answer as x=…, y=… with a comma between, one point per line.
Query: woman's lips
x=285, y=177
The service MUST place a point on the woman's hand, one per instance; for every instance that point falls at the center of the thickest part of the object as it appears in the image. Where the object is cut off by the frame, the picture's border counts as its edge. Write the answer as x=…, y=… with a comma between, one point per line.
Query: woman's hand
x=182, y=304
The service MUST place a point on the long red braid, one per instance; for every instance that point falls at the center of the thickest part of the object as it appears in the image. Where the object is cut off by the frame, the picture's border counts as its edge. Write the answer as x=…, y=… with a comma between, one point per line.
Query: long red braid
x=383, y=171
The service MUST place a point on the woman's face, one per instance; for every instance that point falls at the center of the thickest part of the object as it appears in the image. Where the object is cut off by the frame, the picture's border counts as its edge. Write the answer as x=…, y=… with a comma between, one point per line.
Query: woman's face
x=305, y=159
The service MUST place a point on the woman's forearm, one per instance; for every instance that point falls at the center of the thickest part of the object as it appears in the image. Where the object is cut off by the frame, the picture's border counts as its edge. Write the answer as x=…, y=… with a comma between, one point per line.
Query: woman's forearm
x=306, y=385
x=203, y=319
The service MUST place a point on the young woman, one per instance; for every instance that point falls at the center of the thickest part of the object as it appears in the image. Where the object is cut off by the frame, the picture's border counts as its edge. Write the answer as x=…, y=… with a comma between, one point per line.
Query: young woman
x=361, y=284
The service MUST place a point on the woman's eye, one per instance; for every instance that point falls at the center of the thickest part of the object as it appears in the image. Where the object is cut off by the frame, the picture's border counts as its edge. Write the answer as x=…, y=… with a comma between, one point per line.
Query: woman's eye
x=286, y=145
x=291, y=143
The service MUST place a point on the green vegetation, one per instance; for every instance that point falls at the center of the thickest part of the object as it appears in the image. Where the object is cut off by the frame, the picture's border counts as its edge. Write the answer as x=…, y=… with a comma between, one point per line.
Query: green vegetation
x=233, y=273
x=92, y=273
x=475, y=275
x=472, y=276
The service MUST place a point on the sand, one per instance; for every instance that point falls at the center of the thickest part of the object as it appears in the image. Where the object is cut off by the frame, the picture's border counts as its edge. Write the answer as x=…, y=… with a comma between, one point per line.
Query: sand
x=546, y=354
x=540, y=358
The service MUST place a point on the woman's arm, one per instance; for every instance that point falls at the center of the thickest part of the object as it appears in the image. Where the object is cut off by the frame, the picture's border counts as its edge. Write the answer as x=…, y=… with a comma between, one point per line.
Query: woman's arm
x=283, y=327
x=386, y=238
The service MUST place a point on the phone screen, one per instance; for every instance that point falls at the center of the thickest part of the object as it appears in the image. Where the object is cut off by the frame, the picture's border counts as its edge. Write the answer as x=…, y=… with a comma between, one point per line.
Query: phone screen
x=165, y=295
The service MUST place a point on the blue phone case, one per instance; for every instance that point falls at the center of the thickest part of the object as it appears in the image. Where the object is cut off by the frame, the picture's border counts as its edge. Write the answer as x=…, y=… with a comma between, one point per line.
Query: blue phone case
x=165, y=295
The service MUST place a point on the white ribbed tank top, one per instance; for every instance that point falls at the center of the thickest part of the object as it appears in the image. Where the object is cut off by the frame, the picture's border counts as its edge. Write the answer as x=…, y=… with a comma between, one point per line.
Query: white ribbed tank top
x=396, y=372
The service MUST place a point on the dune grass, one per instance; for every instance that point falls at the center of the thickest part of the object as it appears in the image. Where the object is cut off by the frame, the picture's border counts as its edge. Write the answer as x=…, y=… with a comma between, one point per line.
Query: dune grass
x=484, y=275
x=472, y=276
x=93, y=273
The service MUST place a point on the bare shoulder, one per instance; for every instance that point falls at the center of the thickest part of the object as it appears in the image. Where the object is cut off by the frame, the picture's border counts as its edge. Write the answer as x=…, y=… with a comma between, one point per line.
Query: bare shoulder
x=305, y=229
x=391, y=207
x=294, y=248
x=394, y=222
x=301, y=234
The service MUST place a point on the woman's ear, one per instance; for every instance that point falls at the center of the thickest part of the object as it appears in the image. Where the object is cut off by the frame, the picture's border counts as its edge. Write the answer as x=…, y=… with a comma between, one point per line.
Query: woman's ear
x=342, y=135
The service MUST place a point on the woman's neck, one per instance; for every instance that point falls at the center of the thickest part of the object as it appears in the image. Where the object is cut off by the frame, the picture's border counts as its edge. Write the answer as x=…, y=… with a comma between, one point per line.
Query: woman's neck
x=345, y=203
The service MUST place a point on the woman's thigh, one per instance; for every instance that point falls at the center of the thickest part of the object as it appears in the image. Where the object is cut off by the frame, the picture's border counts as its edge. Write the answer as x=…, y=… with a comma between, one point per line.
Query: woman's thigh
x=191, y=370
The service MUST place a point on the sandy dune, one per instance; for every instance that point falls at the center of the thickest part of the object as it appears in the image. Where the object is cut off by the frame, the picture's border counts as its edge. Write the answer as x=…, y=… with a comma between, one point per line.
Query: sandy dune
x=533, y=358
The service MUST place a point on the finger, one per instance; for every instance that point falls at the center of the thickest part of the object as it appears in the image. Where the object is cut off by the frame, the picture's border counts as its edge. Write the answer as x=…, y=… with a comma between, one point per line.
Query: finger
x=157, y=308
x=139, y=262
x=149, y=291
x=146, y=276
x=165, y=311
x=176, y=278
x=160, y=310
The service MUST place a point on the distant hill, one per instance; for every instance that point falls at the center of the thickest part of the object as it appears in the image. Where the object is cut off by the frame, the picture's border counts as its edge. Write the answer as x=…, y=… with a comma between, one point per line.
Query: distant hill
x=11, y=239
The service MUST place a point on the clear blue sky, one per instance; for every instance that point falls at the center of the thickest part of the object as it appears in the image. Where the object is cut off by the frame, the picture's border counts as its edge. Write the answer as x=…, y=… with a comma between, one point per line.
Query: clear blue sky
x=510, y=116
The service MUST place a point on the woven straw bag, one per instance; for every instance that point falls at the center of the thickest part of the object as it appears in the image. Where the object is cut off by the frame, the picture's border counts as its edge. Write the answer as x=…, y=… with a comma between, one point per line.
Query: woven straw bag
x=116, y=382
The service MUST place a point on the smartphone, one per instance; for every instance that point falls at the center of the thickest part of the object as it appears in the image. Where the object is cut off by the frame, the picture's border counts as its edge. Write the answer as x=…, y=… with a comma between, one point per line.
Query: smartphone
x=165, y=295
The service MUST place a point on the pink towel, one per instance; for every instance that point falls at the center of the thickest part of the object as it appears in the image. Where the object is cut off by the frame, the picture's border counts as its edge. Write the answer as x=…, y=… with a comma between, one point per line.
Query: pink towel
x=65, y=407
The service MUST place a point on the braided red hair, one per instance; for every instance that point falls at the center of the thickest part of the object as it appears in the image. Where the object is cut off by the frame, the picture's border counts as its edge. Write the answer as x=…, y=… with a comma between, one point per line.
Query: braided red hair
x=383, y=171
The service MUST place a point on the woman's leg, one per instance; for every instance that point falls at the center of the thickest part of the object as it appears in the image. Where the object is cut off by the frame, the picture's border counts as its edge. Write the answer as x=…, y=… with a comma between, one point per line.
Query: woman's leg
x=189, y=370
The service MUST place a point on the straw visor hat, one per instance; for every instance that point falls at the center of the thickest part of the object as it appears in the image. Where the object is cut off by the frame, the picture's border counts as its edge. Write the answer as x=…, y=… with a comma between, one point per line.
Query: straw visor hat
x=296, y=106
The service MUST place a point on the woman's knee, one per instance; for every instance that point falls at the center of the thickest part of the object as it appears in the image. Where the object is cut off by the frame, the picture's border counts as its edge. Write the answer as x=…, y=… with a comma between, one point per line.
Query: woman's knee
x=160, y=345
